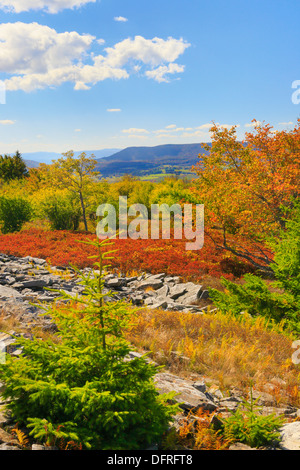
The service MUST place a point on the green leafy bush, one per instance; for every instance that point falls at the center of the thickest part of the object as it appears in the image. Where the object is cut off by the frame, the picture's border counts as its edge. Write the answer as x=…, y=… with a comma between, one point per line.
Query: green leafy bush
x=14, y=212
x=81, y=382
x=278, y=300
x=63, y=213
x=251, y=428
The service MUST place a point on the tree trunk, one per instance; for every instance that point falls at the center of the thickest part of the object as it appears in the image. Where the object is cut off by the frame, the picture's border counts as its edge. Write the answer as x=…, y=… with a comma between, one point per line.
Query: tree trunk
x=83, y=211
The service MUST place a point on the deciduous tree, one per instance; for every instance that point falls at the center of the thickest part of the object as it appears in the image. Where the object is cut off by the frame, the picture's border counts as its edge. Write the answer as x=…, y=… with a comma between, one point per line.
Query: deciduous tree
x=247, y=187
x=77, y=174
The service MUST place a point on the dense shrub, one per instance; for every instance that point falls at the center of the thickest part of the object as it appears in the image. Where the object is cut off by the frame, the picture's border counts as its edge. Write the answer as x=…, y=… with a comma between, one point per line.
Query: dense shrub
x=62, y=213
x=14, y=212
x=279, y=300
x=248, y=426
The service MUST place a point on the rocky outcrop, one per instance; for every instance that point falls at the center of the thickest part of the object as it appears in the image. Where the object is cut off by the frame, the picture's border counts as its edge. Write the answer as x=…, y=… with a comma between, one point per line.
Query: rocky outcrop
x=26, y=281
x=290, y=436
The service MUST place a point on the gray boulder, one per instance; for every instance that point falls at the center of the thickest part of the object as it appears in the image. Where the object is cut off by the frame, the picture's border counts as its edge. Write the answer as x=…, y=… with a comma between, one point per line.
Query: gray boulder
x=290, y=436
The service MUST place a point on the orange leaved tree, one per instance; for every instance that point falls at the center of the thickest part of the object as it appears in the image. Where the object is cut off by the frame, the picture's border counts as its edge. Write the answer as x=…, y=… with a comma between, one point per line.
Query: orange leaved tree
x=249, y=188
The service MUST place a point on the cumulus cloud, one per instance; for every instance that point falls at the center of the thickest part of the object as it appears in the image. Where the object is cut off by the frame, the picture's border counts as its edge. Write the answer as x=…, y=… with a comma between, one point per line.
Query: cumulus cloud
x=290, y=123
x=51, y=6
x=121, y=19
x=253, y=124
x=37, y=56
x=160, y=74
x=154, y=51
x=134, y=130
x=6, y=122
x=200, y=132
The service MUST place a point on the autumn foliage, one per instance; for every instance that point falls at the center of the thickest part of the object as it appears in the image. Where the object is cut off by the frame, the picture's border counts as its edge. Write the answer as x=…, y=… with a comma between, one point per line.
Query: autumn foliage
x=247, y=187
x=62, y=248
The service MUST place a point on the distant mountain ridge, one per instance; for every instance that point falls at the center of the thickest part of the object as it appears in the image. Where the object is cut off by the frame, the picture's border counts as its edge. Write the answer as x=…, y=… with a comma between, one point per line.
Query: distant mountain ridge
x=138, y=161
x=144, y=160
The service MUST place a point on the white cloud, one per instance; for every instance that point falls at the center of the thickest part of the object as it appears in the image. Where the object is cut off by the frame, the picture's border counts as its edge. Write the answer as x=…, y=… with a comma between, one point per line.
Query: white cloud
x=163, y=136
x=113, y=110
x=137, y=136
x=121, y=19
x=227, y=126
x=193, y=134
x=81, y=86
x=205, y=126
x=148, y=51
x=171, y=126
x=134, y=130
x=6, y=122
x=160, y=131
x=77, y=130
x=290, y=123
x=253, y=124
x=51, y=6
x=36, y=56
x=160, y=73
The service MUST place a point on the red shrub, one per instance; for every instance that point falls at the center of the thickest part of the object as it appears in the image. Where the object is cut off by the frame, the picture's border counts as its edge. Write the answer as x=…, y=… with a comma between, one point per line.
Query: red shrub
x=169, y=256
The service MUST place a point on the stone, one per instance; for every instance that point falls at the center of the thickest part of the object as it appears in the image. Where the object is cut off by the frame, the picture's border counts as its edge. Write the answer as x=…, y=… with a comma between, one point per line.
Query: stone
x=162, y=304
x=204, y=295
x=42, y=447
x=240, y=446
x=201, y=386
x=152, y=283
x=263, y=398
x=8, y=293
x=34, y=260
x=7, y=447
x=290, y=436
x=193, y=293
x=7, y=438
x=34, y=283
x=163, y=291
x=187, y=396
x=177, y=291
x=115, y=282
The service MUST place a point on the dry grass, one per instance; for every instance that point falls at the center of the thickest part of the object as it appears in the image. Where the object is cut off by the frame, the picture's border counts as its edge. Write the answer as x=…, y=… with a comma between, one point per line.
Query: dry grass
x=227, y=351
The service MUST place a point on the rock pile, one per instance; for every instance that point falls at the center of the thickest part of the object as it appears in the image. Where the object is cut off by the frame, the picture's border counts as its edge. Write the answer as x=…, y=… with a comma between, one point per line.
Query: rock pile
x=25, y=281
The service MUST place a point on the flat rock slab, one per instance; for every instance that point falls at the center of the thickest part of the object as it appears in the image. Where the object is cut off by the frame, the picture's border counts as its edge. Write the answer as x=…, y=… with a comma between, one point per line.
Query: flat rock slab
x=6, y=438
x=152, y=283
x=8, y=293
x=188, y=396
x=290, y=436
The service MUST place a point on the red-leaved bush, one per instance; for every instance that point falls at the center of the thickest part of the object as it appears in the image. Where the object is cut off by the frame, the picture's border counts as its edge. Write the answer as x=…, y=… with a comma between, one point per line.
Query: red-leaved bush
x=61, y=248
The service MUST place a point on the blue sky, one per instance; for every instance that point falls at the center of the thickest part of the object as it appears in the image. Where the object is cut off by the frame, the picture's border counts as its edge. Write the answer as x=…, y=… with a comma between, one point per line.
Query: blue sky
x=94, y=74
